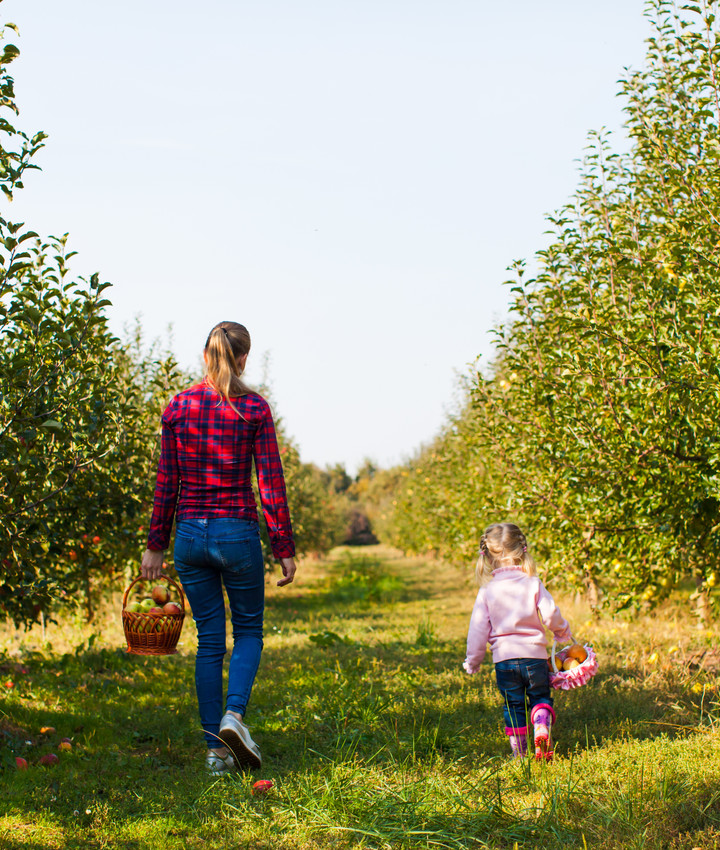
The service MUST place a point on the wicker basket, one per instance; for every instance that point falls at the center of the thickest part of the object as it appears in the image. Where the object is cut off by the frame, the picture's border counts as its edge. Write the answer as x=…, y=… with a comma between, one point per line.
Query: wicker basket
x=566, y=680
x=152, y=634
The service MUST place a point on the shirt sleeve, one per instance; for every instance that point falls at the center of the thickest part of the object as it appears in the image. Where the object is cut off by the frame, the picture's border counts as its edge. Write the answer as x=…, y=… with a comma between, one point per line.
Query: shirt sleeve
x=551, y=616
x=167, y=487
x=478, y=634
x=271, y=485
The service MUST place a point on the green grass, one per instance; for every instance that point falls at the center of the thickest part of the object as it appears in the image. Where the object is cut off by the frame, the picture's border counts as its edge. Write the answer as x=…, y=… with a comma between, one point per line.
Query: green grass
x=372, y=733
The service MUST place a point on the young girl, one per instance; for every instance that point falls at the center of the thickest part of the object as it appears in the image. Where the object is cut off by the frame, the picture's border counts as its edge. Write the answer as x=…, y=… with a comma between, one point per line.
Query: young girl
x=511, y=607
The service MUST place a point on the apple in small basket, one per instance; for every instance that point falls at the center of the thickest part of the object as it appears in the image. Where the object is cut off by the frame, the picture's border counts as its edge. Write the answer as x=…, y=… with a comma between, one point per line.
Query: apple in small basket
x=579, y=653
x=160, y=594
x=171, y=608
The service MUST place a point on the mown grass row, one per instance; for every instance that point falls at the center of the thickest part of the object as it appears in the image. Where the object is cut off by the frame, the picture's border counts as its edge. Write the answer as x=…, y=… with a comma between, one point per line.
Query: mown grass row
x=371, y=731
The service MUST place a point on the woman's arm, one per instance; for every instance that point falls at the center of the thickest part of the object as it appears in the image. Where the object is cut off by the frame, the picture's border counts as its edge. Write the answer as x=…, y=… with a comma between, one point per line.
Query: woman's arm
x=167, y=487
x=273, y=496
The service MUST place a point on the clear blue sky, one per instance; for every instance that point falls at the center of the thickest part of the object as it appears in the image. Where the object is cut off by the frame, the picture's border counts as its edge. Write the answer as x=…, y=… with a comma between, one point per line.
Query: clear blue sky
x=348, y=178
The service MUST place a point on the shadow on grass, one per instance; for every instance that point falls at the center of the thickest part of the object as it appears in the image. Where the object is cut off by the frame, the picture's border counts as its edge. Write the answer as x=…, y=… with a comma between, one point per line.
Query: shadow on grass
x=398, y=698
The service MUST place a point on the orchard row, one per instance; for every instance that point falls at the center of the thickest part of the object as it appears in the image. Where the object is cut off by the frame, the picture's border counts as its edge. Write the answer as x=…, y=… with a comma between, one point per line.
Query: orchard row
x=595, y=427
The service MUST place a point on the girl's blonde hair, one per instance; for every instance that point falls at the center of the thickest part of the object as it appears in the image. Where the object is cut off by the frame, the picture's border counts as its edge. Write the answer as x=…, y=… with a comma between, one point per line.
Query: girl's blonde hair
x=227, y=342
x=501, y=544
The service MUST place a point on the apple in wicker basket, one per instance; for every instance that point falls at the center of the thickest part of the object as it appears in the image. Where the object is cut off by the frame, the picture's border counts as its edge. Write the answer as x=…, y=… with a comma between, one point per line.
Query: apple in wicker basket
x=160, y=594
x=172, y=608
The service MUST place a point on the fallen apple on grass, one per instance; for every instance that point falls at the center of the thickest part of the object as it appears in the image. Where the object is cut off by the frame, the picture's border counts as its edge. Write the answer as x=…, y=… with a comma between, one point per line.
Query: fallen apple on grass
x=262, y=786
x=49, y=759
x=65, y=745
x=21, y=763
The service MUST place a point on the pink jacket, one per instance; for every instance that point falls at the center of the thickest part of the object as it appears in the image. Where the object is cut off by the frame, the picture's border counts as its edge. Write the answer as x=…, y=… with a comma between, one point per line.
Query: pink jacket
x=509, y=613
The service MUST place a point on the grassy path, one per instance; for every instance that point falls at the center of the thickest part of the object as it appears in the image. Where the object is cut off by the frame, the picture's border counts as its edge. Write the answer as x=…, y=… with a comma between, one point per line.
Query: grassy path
x=371, y=731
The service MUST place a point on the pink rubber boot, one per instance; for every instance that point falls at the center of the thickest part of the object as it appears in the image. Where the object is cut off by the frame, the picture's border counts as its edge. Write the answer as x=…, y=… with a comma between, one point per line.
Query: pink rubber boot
x=542, y=718
x=518, y=741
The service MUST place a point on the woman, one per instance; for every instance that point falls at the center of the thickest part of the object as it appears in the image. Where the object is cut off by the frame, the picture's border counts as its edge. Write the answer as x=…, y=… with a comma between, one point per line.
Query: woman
x=210, y=435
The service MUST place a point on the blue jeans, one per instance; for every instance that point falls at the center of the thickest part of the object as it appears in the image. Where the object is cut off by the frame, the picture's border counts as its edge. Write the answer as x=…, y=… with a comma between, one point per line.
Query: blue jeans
x=522, y=682
x=210, y=553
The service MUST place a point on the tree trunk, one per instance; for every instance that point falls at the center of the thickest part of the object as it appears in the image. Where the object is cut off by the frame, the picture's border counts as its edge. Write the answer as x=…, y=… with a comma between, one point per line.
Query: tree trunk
x=702, y=602
x=88, y=598
x=593, y=594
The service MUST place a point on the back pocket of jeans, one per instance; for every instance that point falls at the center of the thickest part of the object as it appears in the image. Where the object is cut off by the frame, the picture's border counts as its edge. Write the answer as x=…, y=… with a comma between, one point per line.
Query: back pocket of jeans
x=239, y=555
x=183, y=548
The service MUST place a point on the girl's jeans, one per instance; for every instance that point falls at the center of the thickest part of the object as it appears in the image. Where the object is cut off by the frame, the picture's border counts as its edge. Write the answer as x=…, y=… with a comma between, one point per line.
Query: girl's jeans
x=518, y=680
x=210, y=553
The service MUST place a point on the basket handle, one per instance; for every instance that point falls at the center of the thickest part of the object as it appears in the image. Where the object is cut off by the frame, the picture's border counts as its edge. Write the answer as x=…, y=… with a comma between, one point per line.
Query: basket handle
x=554, y=648
x=140, y=578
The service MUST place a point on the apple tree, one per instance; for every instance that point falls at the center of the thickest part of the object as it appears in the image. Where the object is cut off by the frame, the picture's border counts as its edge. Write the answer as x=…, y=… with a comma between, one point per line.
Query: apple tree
x=596, y=426
x=78, y=413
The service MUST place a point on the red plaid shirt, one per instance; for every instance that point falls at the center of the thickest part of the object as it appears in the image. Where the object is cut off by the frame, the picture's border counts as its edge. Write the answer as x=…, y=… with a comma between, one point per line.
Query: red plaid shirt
x=206, y=463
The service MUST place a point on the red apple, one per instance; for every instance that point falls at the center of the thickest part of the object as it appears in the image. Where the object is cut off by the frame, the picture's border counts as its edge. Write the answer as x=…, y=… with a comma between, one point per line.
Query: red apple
x=21, y=763
x=50, y=758
x=9, y=685
x=262, y=786
x=160, y=594
x=96, y=539
x=64, y=745
x=172, y=608
x=72, y=554
x=155, y=610
x=47, y=730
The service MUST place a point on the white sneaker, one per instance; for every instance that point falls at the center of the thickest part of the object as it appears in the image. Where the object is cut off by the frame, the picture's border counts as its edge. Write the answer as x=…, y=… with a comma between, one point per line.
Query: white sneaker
x=218, y=765
x=236, y=737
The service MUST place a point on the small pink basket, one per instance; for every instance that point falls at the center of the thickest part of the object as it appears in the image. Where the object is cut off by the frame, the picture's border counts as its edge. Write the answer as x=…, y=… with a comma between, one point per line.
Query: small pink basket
x=566, y=680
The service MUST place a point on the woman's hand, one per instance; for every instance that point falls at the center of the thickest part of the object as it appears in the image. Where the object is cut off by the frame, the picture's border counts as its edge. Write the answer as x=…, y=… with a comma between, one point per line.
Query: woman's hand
x=288, y=568
x=152, y=564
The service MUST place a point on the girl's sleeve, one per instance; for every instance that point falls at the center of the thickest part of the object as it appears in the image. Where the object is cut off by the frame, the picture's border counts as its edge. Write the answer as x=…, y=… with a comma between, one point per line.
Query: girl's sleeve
x=478, y=634
x=166, y=489
x=271, y=484
x=551, y=616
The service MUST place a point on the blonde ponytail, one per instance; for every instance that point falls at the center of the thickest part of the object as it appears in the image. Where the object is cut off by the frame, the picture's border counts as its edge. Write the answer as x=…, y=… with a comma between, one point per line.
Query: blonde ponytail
x=226, y=344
